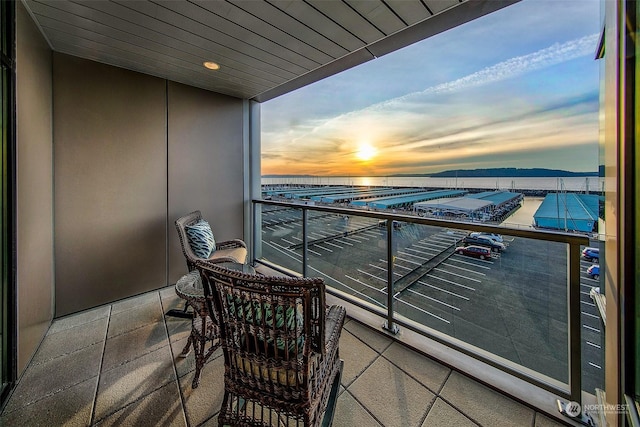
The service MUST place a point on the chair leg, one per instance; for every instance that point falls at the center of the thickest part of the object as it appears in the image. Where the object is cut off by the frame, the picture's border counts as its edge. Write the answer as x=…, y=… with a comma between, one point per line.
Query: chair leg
x=231, y=404
x=187, y=348
x=198, y=347
x=183, y=314
x=327, y=420
x=199, y=342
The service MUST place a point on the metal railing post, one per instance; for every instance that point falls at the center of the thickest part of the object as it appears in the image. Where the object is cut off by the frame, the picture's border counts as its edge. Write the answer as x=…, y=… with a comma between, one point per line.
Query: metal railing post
x=575, y=343
x=389, y=324
x=254, y=224
x=304, y=242
x=256, y=240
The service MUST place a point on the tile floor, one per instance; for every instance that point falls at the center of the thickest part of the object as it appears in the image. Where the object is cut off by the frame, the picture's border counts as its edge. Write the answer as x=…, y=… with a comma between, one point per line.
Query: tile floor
x=118, y=365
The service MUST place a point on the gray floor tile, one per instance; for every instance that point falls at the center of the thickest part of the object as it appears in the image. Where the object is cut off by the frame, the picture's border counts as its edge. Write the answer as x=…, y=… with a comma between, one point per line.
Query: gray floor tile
x=135, y=317
x=430, y=373
x=211, y=422
x=70, y=407
x=186, y=365
x=349, y=412
x=392, y=396
x=55, y=375
x=133, y=302
x=79, y=319
x=131, y=381
x=163, y=407
x=70, y=340
x=205, y=401
x=178, y=328
x=442, y=414
x=357, y=356
x=483, y=405
x=167, y=292
x=374, y=339
x=170, y=300
x=133, y=344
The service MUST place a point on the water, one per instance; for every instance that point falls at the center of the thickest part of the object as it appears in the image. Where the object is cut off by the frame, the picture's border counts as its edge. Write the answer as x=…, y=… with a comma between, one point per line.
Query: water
x=580, y=184
x=523, y=217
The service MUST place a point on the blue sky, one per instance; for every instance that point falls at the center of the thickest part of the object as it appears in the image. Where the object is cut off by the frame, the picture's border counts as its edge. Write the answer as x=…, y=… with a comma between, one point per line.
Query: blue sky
x=516, y=88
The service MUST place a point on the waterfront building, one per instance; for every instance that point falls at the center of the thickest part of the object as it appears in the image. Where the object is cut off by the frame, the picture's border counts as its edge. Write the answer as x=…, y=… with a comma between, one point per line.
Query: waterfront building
x=568, y=212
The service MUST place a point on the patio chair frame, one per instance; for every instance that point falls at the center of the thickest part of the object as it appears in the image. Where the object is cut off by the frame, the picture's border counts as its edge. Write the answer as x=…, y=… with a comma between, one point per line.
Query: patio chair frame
x=278, y=370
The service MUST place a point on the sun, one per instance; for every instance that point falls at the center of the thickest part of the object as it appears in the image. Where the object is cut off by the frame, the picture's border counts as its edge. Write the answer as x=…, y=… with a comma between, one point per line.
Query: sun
x=366, y=152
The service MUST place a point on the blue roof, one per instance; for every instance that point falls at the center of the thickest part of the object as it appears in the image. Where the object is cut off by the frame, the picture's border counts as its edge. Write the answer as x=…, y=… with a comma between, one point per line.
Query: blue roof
x=391, y=202
x=283, y=191
x=321, y=191
x=364, y=194
x=497, y=197
x=364, y=201
x=569, y=205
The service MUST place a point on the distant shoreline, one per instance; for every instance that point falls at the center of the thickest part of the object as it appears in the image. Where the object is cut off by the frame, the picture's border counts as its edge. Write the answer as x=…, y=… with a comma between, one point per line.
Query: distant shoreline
x=466, y=173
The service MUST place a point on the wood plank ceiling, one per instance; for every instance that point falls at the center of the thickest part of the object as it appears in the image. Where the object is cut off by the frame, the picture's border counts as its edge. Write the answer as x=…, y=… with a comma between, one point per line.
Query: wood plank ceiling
x=264, y=47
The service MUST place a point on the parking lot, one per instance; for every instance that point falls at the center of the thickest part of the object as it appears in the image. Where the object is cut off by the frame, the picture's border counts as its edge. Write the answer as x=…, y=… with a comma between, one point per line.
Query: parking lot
x=513, y=305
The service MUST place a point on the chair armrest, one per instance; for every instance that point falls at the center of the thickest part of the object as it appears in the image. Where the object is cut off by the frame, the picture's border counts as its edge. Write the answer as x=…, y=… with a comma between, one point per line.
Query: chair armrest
x=334, y=320
x=229, y=244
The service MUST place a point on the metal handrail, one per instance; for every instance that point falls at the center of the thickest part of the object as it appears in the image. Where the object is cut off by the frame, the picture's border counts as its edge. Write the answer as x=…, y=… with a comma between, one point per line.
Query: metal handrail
x=574, y=242
x=551, y=236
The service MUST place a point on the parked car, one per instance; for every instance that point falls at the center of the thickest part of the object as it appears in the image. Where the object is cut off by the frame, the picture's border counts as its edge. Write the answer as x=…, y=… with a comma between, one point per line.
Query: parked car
x=484, y=241
x=482, y=252
x=396, y=224
x=591, y=254
x=494, y=236
x=594, y=271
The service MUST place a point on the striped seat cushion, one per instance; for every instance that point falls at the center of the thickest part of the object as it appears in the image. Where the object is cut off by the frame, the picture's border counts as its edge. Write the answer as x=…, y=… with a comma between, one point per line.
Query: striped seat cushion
x=201, y=239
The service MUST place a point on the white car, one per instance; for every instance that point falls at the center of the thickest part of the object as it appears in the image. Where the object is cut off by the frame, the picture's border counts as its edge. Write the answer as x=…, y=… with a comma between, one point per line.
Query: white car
x=497, y=237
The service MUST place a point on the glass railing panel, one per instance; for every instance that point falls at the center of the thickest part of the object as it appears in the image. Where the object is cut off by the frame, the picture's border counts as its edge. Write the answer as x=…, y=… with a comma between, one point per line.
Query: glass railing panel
x=511, y=303
x=591, y=324
x=280, y=236
x=350, y=253
x=425, y=290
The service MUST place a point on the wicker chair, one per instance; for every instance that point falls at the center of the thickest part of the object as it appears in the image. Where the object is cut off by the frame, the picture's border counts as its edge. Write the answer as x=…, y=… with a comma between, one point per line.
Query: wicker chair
x=280, y=345
x=228, y=251
x=204, y=331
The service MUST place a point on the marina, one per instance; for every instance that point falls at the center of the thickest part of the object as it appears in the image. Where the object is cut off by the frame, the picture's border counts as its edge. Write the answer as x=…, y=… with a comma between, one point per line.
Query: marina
x=529, y=186
x=564, y=211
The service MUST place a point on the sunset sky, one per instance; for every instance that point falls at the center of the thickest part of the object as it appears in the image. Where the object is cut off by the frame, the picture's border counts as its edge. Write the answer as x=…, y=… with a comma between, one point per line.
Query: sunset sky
x=516, y=88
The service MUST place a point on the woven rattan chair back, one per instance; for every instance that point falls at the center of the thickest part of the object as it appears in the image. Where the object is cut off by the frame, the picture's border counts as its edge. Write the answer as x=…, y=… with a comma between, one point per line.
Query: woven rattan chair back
x=181, y=226
x=278, y=368
x=228, y=251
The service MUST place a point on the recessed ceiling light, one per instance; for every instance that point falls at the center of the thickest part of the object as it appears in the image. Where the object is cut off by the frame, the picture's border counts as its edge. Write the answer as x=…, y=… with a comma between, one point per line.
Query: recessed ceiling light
x=211, y=65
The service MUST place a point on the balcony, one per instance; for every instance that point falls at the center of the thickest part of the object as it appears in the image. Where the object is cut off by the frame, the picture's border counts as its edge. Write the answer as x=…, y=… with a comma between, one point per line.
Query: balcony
x=111, y=160
x=118, y=364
